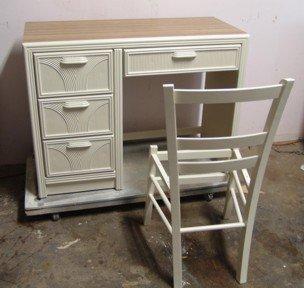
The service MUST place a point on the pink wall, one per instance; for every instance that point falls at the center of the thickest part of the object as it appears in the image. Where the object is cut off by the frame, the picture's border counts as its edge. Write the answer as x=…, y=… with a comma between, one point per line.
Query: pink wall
x=276, y=50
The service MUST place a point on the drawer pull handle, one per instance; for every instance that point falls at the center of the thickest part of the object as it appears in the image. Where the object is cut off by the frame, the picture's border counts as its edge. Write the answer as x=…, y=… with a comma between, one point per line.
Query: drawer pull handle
x=76, y=104
x=74, y=60
x=79, y=145
x=184, y=55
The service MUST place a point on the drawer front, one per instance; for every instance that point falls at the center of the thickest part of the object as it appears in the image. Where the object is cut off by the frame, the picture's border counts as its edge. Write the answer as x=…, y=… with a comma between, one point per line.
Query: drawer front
x=73, y=73
x=181, y=59
x=79, y=156
x=76, y=116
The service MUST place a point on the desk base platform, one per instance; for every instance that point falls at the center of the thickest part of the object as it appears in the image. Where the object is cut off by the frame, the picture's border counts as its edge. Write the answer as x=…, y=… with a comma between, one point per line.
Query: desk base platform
x=135, y=177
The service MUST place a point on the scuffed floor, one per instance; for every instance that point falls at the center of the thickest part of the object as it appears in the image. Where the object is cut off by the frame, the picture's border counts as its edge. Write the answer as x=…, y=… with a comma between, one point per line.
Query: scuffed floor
x=109, y=247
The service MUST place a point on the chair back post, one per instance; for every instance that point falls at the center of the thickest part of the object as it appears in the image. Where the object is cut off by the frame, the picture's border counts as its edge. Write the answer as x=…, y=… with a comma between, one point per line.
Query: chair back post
x=171, y=130
x=271, y=126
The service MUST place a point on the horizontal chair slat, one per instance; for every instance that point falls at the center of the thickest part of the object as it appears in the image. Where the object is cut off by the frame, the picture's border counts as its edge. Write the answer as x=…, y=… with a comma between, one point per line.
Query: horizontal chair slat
x=212, y=227
x=196, y=179
x=199, y=179
x=217, y=166
x=197, y=154
x=215, y=96
x=221, y=142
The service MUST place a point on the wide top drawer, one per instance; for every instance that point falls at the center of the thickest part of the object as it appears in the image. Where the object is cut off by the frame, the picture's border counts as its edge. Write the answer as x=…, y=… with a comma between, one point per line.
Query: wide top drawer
x=153, y=61
x=73, y=73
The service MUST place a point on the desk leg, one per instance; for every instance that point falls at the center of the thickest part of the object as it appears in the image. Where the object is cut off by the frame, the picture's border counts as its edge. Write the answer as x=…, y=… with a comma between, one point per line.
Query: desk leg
x=219, y=119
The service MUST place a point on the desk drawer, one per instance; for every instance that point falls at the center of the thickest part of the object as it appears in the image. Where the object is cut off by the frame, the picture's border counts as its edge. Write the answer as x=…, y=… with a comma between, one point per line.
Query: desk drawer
x=76, y=116
x=73, y=73
x=79, y=156
x=152, y=61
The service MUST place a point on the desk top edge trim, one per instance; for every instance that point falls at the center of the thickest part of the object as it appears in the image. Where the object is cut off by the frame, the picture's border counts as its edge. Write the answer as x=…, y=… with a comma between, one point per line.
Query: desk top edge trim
x=129, y=41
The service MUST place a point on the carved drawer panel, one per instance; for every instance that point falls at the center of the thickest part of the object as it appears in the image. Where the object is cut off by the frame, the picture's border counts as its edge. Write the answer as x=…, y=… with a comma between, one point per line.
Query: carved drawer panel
x=155, y=61
x=73, y=73
x=76, y=116
x=79, y=156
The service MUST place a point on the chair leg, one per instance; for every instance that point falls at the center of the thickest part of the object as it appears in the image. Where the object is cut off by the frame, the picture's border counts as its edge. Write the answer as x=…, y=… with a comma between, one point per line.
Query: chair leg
x=245, y=243
x=149, y=204
x=177, y=258
x=151, y=188
x=244, y=253
x=176, y=234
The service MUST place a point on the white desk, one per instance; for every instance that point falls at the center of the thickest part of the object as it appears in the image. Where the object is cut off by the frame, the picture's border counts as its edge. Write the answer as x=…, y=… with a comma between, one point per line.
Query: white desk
x=75, y=74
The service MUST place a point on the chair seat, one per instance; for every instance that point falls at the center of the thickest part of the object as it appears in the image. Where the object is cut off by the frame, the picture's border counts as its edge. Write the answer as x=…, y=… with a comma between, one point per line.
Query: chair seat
x=194, y=180
x=162, y=185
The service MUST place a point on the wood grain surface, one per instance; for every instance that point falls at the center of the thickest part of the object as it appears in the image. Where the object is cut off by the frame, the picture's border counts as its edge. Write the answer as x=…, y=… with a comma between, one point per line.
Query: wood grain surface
x=125, y=28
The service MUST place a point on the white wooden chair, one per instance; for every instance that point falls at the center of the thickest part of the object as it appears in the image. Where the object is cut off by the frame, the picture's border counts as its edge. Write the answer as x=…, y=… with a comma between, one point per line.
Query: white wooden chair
x=182, y=168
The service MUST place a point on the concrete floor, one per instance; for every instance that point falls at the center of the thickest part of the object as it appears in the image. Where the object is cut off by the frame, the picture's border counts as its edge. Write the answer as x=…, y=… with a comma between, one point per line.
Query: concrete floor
x=109, y=247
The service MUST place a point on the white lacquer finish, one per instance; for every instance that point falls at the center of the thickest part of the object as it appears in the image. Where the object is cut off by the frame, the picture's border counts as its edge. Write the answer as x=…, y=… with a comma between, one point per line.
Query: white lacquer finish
x=89, y=185
x=222, y=142
x=199, y=168
x=79, y=155
x=181, y=59
x=73, y=73
x=77, y=116
x=118, y=60
x=75, y=88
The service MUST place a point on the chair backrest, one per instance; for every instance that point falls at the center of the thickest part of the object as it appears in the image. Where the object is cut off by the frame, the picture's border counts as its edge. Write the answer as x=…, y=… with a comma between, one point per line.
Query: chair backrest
x=277, y=93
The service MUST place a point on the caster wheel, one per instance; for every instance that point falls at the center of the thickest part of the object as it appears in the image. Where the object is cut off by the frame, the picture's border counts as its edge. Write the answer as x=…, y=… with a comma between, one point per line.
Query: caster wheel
x=55, y=217
x=209, y=197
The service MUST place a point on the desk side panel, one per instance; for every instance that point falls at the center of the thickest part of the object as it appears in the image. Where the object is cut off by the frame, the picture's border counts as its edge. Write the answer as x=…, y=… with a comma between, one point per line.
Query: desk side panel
x=34, y=116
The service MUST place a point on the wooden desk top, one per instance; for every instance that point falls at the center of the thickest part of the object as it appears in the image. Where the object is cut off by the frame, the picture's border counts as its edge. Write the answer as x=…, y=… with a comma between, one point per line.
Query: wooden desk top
x=125, y=28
